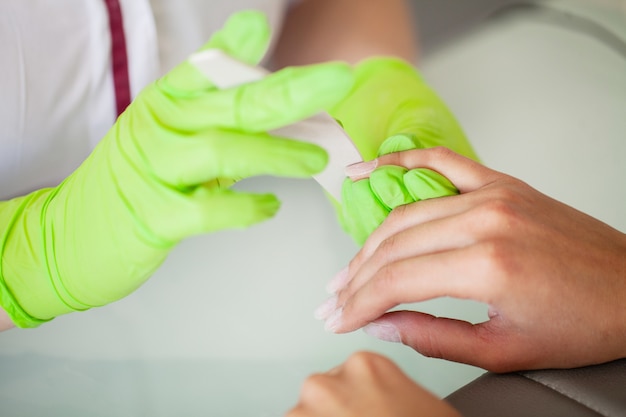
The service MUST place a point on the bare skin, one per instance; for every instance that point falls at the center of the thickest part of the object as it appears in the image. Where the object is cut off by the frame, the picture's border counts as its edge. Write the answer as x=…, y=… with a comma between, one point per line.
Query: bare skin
x=554, y=278
x=347, y=30
x=367, y=385
x=5, y=321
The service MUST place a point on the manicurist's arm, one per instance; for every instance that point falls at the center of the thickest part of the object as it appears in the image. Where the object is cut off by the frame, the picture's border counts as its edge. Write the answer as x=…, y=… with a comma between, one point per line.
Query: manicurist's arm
x=347, y=30
x=390, y=99
x=5, y=321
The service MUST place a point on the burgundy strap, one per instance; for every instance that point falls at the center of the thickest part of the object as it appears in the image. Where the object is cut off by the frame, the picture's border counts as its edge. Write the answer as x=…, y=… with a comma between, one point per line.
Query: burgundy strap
x=121, y=80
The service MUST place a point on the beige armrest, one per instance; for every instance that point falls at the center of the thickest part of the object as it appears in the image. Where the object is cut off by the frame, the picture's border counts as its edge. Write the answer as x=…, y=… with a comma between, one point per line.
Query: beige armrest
x=582, y=392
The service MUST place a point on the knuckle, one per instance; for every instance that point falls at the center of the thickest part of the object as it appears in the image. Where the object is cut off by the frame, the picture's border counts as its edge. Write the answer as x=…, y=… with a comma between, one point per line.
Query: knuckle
x=365, y=364
x=360, y=360
x=428, y=344
x=438, y=153
x=498, y=214
x=387, y=248
x=316, y=387
x=441, y=152
x=497, y=261
x=356, y=262
x=399, y=214
x=506, y=192
x=423, y=156
x=386, y=280
x=496, y=356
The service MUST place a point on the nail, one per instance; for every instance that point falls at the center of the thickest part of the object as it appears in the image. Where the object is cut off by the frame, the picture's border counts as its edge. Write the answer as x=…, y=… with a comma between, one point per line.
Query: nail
x=361, y=169
x=386, y=332
x=326, y=309
x=334, y=321
x=338, y=282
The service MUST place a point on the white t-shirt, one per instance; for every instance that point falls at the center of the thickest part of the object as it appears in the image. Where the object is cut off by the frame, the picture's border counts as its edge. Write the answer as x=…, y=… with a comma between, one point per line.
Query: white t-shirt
x=56, y=81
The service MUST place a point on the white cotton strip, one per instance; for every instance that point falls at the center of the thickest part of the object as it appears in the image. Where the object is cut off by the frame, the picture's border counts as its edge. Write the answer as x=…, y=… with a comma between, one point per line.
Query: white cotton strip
x=320, y=129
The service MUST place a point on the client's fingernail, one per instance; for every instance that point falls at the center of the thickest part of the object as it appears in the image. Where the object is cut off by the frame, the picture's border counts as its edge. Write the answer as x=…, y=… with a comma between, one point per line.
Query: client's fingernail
x=325, y=310
x=338, y=282
x=386, y=332
x=334, y=321
x=361, y=169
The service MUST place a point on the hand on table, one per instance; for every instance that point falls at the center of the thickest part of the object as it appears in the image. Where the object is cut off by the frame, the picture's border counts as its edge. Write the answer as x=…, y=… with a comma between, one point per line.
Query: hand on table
x=367, y=385
x=161, y=175
x=554, y=278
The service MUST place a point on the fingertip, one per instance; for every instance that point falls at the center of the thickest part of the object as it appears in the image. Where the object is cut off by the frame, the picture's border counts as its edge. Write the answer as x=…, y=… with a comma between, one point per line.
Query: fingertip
x=362, y=211
x=399, y=143
x=322, y=85
x=316, y=160
x=466, y=174
x=424, y=184
x=334, y=321
x=291, y=158
x=361, y=170
x=339, y=281
x=251, y=20
x=265, y=206
x=387, y=183
x=237, y=210
x=386, y=332
x=245, y=36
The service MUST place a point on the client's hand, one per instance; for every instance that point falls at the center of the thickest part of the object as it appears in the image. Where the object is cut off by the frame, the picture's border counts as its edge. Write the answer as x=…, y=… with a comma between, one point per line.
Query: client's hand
x=367, y=385
x=554, y=278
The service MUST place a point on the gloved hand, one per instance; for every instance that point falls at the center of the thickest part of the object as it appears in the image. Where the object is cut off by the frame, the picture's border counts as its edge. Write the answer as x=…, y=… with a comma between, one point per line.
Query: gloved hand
x=154, y=179
x=391, y=109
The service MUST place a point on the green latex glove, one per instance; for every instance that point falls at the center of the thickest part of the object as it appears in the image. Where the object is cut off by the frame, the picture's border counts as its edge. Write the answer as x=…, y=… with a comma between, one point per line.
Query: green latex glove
x=154, y=180
x=367, y=202
x=391, y=109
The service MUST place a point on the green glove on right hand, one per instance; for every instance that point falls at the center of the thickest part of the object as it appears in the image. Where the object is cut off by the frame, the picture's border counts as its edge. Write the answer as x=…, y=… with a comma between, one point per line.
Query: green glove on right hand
x=156, y=178
x=391, y=109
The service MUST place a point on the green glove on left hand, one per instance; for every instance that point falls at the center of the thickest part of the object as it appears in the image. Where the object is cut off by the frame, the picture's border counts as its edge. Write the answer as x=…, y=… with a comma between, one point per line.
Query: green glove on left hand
x=156, y=178
x=391, y=109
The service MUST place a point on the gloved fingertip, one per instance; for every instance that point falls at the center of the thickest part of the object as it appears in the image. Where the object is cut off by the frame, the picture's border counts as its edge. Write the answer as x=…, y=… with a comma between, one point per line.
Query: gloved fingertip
x=362, y=212
x=315, y=160
x=267, y=205
x=387, y=183
x=184, y=81
x=399, y=143
x=209, y=210
x=248, y=210
x=424, y=184
x=245, y=36
x=300, y=160
x=323, y=84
